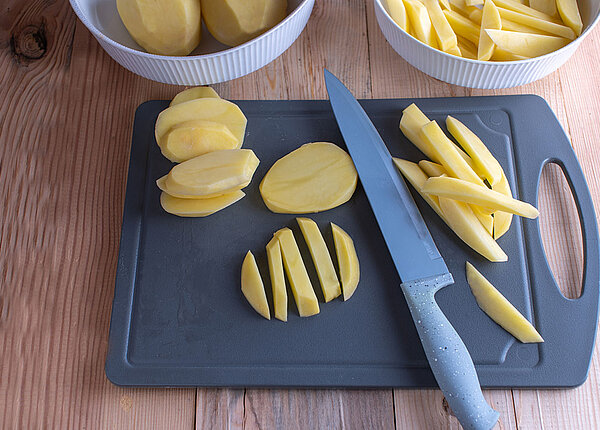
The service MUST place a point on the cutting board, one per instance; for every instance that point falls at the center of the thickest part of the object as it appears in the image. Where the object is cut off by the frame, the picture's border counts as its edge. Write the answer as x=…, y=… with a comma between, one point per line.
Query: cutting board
x=180, y=319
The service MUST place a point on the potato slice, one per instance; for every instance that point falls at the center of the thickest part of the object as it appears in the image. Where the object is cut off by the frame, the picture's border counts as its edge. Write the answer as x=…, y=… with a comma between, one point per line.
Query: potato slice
x=448, y=154
x=502, y=55
x=305, y=297
x=198, y=207
x=280, y=300
x=397, y=11
x=161, y=183
x=411, y=122
x=347, y=261
x=465, y=224
x=461, y=7
x=569, y=12
x=545, y=6
x=315, y=177
x=507, y=24
x=252, y=286
x=526, y=44
x=432, y=169
x=420, y=22
x=417, y=178
x=467, y=49
x=217, y=172
x=474, y=2
x=444, y=33
x=537, y=23
x=445, y=4
x=321, y=258
x=193, y=138
x=525, y=10
x=490, y=19
x=484, y=162
x=205, y=109
x=468, y=192
x=485, y=218
x=502, y=220
x=498, y=308
x=463, y=26
x=194, y=93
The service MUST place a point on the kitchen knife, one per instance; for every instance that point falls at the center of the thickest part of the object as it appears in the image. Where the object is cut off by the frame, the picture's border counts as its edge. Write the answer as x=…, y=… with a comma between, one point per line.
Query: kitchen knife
x=417, y=260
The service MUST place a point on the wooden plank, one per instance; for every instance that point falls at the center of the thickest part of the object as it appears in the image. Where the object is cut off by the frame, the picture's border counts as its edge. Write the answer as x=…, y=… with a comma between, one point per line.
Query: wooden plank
x=220, y=408
x=65, y=128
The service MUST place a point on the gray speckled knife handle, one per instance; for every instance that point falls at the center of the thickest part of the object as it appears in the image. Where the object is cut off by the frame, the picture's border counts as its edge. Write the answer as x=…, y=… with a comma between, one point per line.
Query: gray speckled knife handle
x=448, y=356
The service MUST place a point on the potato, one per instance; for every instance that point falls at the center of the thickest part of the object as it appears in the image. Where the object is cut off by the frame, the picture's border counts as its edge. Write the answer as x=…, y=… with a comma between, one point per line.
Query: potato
x=490, y=19
x=507, y=24
x=321, y=258
x=461, y=7
x=474, y=2
x=193, y=138
x=420, y=22
x=214, y=173
x=163, y=27
x=280, y=300
x=525, y=10
x=502, y=220
x=203, y=109
x=502, y=55
x=315, y=177
x=467, y=49
x=569, y=12
x=233, y=22
x=498, y=308
x=161, y=183
x=526, y=44
x=194, y=93
x=465, y=224
x=347, y=261
x=486, y=219
x=537, y=23
x=468, y=192
x=397, y=11
x=463, y=26
x=546, y=6
x=417, y=178
x=252, y=286
x=431, y=168
x=445, y=35
x=198, y=207
x=448, y=153
x=484, y=162
x=305, y=297
x=411, y=122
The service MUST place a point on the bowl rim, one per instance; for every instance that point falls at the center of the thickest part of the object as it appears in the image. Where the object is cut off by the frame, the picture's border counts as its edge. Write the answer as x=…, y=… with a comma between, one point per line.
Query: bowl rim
x=573, y=43
x=187, y=58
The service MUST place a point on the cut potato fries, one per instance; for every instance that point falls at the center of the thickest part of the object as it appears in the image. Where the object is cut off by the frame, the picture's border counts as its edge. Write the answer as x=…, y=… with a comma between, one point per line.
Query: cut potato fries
x=501, y=30
x=502, y=220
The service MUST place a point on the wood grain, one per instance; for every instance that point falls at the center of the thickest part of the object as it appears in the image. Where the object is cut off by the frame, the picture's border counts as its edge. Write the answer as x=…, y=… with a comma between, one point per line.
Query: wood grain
x=65, y=128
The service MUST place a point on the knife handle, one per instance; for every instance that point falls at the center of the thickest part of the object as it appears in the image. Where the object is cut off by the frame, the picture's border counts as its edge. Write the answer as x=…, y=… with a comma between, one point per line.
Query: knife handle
x=448, y=356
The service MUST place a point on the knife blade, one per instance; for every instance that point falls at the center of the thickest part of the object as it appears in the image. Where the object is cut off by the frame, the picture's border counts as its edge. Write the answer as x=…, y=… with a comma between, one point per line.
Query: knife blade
x=421, y=267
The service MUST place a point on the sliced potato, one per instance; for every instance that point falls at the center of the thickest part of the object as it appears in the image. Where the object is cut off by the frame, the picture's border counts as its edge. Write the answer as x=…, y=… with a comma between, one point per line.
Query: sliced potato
x=507, y=24
x=198, y=207
x=463, y=26
x=474, y=2
x=161, y=183
x=420, y=22
x=445, y=4
x=498, y=308
x=347, y=261
x=253, y=287
x=468, y=192
x=537, y=23
x=461, y=7
x=305, y=297
x=411, y=122
x=546, y=6
x=445, y=35
x=280, y=300
x=211, y=174
x=486, y=219
x=526, y=44
x=502, y=55
x=526, y=10
x=193, y=138
x=502, y=220
x=465, y=224
x=315, y=177
x=484, y=162
x=467, y=48
x=417, y=178
x=321, y=258
x=569, y=12
x=432, y=169
x=397, y=11
x=490, y=19
x=194, y=93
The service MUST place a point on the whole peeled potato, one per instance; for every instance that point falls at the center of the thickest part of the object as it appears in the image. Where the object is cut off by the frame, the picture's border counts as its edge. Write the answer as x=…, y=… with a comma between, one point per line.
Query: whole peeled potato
x=164, y=27
x=234, y=22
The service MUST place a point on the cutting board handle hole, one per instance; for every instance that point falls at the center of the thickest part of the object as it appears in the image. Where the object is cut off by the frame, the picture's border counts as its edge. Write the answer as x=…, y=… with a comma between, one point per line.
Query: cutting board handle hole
x=561, y=230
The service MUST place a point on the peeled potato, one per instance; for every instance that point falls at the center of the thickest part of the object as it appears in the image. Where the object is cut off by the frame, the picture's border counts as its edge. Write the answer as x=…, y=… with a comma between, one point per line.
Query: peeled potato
x=280, y=300
x=217, y=172
x=490, y=19
x=347, y=261
x=420, y=22
x=194, y=93
x=234, y=22
x=164, y=27
x=253, y=287
x=198, y=207
x=315, y=177
x=526, y=44
x=193, y=138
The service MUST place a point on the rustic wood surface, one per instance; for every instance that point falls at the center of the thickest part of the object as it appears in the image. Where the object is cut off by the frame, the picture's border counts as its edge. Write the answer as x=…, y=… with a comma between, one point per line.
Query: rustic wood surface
x=65, y=127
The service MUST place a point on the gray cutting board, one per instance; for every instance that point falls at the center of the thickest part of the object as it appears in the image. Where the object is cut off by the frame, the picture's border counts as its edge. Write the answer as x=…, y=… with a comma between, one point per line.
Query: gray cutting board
x=179, y=318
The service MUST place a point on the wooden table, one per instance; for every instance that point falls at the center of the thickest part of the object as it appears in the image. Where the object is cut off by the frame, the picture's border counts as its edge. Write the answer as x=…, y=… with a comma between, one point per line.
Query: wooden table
x=66, y=116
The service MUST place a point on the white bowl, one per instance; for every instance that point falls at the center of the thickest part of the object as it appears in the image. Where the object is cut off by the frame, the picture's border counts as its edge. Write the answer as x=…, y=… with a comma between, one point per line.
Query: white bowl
x=210, y=63
x=480, y=74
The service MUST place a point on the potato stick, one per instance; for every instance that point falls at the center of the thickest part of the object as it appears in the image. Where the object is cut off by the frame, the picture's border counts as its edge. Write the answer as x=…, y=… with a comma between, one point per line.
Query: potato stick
x=468, y=192
x=526, y=10
x=569, y=12
x=486, y=219
x=413, y=174
x=465, y=224
x=467, y=49
x=420, y=22
x=463, y=26
x=431, y=168
x=473, y=2
x=485, y=163
x=397, y=11
x=444, y=33
x=455, y=50
x=280, y=299
x=533, y=22
x=526, y=44
x=507, y=24
x=445, y=4
x=503, y=55
x=502, y=220
x=490, y=19
x=411, y=122
x=448, y=153
x=545, y=6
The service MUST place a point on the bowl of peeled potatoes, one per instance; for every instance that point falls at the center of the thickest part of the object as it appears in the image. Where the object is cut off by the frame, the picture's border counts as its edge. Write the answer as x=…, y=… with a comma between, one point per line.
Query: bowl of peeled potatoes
x=194, y=42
